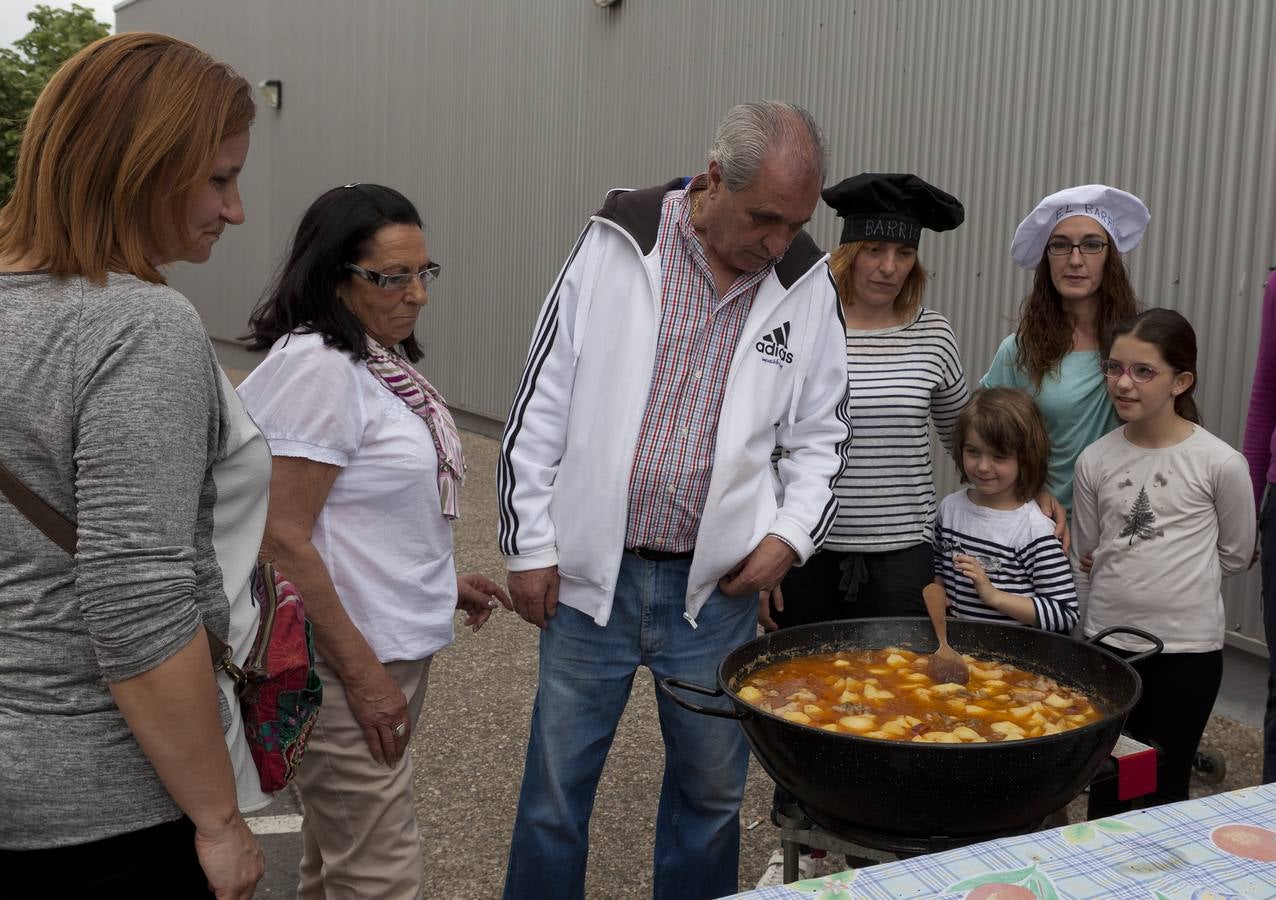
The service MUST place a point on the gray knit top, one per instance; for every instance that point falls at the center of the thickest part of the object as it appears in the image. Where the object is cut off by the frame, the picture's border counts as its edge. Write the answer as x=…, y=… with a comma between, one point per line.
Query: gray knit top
x=114, y=410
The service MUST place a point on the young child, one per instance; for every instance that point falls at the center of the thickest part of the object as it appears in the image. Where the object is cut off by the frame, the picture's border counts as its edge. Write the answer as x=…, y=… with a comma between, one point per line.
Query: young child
x=1165, y=510
x=996, y=555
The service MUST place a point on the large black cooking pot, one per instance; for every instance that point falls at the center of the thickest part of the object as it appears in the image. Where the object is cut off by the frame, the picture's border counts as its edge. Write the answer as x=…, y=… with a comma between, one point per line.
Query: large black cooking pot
x=893, y=793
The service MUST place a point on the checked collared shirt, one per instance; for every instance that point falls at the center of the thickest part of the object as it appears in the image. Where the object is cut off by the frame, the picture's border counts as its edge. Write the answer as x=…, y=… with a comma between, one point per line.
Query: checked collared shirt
x=697, y=340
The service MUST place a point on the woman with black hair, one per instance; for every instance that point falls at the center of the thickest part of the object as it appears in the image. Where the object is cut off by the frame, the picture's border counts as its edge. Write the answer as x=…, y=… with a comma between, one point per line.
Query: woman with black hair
x=367, y=467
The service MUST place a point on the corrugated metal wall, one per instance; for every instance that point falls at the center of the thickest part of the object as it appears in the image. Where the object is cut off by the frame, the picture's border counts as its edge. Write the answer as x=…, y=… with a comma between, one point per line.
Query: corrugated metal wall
x=506, y=121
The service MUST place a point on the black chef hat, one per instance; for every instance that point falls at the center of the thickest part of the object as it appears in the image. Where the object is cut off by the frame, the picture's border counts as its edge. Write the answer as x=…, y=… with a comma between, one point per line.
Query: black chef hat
x=893, y=208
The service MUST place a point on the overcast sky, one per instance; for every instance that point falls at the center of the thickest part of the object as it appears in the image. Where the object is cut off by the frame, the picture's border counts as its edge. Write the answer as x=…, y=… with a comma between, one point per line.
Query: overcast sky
x=13, y=15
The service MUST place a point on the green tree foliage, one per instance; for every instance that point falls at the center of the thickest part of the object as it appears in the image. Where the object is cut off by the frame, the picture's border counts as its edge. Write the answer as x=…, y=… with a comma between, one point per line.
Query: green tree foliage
x=55, y=36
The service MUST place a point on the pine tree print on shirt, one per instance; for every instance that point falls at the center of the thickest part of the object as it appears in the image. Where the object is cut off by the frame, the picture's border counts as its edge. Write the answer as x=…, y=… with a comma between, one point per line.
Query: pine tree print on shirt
x=1139, y=522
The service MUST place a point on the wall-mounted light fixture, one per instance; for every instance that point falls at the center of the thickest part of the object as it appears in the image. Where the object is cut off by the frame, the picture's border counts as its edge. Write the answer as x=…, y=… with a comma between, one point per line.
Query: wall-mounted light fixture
x=272, y=90
x=603, y=4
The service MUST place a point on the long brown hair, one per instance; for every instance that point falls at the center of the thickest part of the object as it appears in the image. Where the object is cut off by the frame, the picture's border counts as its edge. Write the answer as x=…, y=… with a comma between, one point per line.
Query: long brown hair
x=842, y=264
x=117, y=143
x=1174, y=337
x=1008, y=421
x=1044, y=335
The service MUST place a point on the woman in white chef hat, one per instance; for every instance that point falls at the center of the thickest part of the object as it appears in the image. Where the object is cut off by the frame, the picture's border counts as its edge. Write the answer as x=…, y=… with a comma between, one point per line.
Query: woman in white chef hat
x=1074, y=241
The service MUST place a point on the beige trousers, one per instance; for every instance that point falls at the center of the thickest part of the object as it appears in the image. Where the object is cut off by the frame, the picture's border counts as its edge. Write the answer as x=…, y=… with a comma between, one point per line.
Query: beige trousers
x=359, y=832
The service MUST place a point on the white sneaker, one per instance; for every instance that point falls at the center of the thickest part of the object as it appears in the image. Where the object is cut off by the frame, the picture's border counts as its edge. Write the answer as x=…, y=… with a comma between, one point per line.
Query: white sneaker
x=774, y=874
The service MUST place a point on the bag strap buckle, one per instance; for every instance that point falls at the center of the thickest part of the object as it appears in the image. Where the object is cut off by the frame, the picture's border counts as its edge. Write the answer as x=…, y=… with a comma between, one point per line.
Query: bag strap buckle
x=226, y=664
x=245, y=685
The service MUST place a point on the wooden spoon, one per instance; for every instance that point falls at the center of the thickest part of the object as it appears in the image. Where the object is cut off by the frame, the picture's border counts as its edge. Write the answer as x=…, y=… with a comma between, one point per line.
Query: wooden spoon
x=945, y=665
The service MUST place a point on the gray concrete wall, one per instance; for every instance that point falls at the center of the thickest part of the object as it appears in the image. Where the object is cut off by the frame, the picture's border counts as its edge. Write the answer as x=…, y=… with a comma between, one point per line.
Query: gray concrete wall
x=507, y=121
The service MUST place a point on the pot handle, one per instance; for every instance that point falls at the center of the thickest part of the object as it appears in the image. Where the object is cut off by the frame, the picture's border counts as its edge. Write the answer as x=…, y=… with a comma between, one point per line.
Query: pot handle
x=1157, y=644
x=667, y=685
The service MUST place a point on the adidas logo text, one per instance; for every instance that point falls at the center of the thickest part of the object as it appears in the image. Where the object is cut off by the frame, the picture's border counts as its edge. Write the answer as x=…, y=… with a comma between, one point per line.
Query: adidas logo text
x=776, y=343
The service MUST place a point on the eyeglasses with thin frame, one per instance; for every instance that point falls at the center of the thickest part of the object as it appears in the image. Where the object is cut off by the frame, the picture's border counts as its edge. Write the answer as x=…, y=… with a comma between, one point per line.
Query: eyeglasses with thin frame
x=1061, y=246
x=399, y=281
x=1140, y=373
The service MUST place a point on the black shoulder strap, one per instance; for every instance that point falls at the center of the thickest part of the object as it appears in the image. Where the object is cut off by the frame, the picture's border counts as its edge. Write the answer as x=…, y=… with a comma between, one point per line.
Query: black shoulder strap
x=61, y=530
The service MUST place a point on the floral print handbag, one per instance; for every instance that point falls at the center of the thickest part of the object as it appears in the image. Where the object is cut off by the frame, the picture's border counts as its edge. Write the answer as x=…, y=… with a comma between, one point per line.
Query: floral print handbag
x=278, y=688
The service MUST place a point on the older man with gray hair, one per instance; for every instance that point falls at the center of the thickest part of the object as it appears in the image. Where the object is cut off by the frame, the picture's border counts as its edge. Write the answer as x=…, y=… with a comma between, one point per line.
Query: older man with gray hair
x=693, y=329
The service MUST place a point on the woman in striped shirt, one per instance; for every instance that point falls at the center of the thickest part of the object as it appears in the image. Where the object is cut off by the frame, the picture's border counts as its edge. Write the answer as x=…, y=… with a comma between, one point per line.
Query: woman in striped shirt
x=904, y=372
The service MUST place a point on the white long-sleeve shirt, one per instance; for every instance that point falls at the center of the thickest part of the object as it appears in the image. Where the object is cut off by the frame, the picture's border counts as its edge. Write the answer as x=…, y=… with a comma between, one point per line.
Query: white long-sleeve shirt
x=1164, y=526
x=568, y=449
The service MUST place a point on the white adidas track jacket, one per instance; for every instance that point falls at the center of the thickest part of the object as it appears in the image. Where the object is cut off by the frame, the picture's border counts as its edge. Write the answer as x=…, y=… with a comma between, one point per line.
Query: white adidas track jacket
x=569, y=442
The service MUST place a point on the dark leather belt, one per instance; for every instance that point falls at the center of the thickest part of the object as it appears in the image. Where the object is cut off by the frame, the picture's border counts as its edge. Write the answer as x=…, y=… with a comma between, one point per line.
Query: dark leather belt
x=657, y=555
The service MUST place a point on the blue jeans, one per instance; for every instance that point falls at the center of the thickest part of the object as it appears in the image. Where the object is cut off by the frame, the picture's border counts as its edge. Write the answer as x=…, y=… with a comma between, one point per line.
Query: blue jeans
x=586, y=673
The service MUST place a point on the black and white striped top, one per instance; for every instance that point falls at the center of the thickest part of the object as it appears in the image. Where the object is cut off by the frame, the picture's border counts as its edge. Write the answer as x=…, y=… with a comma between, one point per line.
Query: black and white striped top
x=1018, y=550
x=901, y=378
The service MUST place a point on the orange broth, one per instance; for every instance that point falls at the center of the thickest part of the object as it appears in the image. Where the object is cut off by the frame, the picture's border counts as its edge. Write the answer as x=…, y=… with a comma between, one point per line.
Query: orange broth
x=886, y=694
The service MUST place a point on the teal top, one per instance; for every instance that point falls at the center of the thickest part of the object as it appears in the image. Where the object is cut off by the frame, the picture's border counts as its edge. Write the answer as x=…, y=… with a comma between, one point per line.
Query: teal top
x=1073, y=400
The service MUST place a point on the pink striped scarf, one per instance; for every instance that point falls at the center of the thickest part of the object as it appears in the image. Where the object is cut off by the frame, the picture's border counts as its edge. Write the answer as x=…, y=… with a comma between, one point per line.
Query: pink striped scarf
x=410, y=386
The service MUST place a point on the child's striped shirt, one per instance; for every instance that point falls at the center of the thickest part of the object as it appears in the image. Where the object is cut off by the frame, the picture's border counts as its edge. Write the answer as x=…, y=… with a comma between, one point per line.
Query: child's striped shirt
x=1018, y=550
